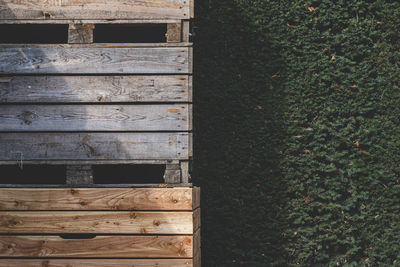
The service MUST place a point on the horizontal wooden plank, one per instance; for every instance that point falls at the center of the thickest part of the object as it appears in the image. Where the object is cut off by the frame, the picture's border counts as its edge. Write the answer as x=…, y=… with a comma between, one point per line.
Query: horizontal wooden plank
x=64, y=118
x=88, y=21
x=112, y=60
x=95, y=9
x=93, y=222
x=96, y=263
x=76, y=199
x=100, y=246
x=97, y=45
x=93, y=146
x=95, y=89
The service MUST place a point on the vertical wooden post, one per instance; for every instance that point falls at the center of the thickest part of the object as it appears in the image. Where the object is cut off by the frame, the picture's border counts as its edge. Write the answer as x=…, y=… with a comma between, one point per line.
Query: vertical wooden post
x=185, y=31
x=172, y=174
x=174, y=32
x=79, y=174
x=185, y=172
x=80, y=33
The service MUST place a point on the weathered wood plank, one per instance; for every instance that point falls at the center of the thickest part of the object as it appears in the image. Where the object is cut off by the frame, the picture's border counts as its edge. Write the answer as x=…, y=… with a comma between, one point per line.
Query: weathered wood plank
x=95, y=9
x=97, y=45
x=100, y=246
x=93, y=146
x=72, y=222
x=33, y=199
x=111, y=60
x=161, y=117
x=96, y=263
x=80, y=33
x=95, y=89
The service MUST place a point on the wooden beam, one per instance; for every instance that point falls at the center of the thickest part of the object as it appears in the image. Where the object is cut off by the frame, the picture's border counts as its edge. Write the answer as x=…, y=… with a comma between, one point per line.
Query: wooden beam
x=185, y=31
x=67, y=118
x=112, y=60
x=95, y=9
x=79, y=175
x=100, y=246
x=174, y=33
x=185, y=171
x=101, y=222
x=80, y=33
x=93, y=146
x=96, y=262
x=36, y=199
x=172, y=174
x=95, y=89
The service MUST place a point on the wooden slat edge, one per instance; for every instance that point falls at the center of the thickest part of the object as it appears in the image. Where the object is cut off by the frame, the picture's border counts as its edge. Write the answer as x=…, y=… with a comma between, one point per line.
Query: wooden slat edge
x=197, y=249
x=96, y=263
x=196, y=219
x=196, y=197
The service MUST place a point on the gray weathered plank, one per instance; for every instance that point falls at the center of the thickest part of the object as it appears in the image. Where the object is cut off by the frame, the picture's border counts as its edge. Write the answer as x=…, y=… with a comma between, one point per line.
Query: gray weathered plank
x=95, y=9
x=82, y=60
x=94, y=89
x=93, y=146
x=89, y=21
x=155, y=117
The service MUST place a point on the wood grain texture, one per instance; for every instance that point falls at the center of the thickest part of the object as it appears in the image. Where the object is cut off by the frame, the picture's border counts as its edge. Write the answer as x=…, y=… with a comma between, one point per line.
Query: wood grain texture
x=78, y=60
x=73, y=222
x=80, y=33
x=96, y=263
x=95, y=9
x=95, y=89
x=64, y=118
x=93, y=146
x=34, y=199
x=100, y=246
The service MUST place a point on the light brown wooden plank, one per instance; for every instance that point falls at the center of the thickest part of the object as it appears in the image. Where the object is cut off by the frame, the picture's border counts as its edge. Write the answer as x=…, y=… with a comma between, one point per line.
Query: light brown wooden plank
x=100, y=246
x=156, y=117
x=95, y=9
x=93, y=146
x=80, y=33
x=76, y=199
x=78, y=222
x=96, y=263
x=113, y=60
x=95, y=89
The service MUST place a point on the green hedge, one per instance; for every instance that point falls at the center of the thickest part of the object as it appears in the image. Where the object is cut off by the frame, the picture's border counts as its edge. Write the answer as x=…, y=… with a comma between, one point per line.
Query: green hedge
x=297, y=132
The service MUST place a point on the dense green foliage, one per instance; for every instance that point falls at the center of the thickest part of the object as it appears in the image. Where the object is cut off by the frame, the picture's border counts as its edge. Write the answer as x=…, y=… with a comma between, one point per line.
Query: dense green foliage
x=297, y=132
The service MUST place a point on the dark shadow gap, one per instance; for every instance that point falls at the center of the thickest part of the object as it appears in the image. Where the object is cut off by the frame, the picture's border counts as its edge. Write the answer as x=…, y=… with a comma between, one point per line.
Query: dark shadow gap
x=130, y=33
x=128, y=174
x=32, y=174
x=34, y=34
